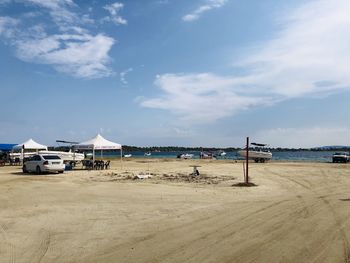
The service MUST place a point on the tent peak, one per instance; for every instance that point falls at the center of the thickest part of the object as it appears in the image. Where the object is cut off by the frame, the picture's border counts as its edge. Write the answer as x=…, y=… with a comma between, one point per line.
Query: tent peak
x=98, y=143
x=30, y=144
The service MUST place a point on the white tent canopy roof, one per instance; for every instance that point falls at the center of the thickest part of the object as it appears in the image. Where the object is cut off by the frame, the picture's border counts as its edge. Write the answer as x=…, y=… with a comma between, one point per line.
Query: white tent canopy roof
x=30, y=144
x=98, y=143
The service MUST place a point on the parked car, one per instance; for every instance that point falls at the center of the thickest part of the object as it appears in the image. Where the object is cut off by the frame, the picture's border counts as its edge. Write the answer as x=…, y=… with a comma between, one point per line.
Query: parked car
x=43, y=163
x=341, y=157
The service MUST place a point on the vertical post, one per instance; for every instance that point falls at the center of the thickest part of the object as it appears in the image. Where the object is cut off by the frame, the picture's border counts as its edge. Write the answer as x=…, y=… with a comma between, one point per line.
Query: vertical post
x=73, y=149
x=247, y=162
x=93, y=157
x=121, y=158
x=147, y=157
x=22, y=154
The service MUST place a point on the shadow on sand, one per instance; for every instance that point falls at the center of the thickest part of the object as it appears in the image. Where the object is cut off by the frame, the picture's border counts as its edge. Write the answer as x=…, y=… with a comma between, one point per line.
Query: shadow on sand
x=345, y=199
x=243, y=184
x=19, y=173
x=28, y=174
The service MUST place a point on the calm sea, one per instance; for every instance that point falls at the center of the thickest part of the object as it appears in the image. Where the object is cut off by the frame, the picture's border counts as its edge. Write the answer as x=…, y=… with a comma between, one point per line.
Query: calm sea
x=305, y=156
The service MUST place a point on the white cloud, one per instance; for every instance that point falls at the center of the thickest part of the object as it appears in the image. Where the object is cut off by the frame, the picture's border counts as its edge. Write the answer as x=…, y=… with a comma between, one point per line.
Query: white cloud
x=304, y=137
x=72, y=49
x=79, y=55
x=123, y=75
x=308, y=57
x=114, y=10
x=59, y=10
x=51, y=4
x=209, y=5
x=200, y=97
x=7, y=26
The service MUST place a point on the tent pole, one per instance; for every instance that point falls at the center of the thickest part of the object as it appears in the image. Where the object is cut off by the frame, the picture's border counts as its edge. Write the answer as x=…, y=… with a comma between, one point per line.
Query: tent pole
x=73, y=154
x=93, y=157
x=121, y=158
x=22, y=153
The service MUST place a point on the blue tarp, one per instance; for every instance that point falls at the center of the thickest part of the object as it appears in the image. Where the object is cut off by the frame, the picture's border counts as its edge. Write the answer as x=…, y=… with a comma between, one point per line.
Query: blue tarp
x=6, y=146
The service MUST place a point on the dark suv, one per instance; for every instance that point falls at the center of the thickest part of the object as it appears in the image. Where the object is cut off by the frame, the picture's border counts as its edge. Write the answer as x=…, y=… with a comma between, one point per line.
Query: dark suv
x=341, y=157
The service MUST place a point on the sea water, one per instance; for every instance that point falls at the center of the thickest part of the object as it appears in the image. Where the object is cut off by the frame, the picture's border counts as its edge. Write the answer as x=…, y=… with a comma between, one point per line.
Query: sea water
x=305, y=156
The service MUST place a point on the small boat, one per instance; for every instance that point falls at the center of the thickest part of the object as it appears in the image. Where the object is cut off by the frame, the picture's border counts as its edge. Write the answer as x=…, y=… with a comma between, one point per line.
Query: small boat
x=148, y=154
x=188, y=156
x=65, y=156
x=221, y=153
x=185, y=156
x=207, y=155
x=258, y=153
x=127, y=155
x=18, y=155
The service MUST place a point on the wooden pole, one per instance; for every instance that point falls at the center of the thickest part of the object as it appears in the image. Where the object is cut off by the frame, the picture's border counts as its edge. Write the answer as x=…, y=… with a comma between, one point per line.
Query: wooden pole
x=247, y=162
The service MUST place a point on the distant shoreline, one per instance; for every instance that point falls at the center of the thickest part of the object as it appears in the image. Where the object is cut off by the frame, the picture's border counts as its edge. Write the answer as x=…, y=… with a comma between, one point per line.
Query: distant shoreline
x=127, y=148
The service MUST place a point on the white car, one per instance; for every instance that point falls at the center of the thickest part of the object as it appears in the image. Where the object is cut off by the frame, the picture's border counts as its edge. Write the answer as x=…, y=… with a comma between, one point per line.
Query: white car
x=43, y=163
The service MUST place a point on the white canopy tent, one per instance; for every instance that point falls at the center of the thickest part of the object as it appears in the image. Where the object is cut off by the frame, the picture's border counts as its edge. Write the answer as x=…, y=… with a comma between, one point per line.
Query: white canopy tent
x=99, y=143
x=29, y=145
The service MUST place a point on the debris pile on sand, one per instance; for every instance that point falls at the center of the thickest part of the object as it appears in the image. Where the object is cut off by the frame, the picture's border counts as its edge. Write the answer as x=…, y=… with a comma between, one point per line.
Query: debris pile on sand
x=190, y=178
x=157, y=178
x=142, y=176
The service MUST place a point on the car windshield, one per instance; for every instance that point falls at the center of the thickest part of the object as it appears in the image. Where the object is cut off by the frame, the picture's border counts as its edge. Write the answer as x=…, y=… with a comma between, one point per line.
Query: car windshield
x=51, y=157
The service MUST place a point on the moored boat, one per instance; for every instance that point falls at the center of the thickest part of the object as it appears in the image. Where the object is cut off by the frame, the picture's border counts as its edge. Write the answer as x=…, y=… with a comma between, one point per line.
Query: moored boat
x=207, y=155
x=65, y=156
x=258, y=153
x=221, y=153
x=185, y=156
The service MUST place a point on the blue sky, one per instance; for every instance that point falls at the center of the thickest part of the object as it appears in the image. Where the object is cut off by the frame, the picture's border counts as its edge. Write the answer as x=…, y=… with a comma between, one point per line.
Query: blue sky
x=176, y=72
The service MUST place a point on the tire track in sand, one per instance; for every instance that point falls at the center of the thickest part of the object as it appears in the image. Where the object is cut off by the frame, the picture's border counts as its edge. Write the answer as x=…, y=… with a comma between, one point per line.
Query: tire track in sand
x=10, y=251
x=195, y=226
x=337, y=220
x=44, y=245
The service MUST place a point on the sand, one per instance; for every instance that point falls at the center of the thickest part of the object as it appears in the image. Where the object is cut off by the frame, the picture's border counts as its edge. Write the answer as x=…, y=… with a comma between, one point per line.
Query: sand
x=298, y=212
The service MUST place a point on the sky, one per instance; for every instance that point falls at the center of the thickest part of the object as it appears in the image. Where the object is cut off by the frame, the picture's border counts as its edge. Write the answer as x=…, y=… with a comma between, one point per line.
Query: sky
x=176, y=72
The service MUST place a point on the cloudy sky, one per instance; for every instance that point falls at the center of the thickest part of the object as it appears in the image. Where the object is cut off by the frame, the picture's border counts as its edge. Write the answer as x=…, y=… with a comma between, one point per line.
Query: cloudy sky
x=176, y=72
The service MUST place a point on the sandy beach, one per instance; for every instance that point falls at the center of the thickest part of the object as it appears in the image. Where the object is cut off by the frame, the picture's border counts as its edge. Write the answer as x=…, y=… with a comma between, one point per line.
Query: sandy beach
x=298, y=212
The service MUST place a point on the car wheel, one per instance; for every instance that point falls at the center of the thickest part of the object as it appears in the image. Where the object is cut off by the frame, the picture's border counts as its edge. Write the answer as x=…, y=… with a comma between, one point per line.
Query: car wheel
x=38, y=170
x=24, y=169
x=60, y=172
